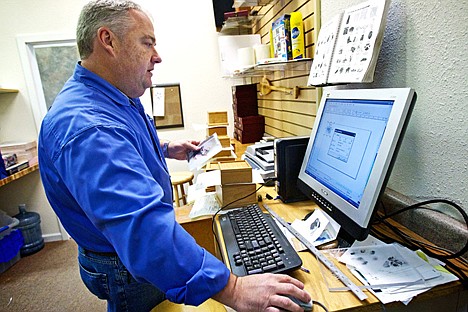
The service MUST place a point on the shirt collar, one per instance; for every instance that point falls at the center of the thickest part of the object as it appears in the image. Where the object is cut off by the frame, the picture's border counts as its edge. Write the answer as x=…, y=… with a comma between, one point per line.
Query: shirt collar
x=101, y=85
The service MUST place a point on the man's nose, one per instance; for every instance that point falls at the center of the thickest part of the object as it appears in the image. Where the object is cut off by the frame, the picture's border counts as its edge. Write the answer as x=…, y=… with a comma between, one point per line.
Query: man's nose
x=156, y=58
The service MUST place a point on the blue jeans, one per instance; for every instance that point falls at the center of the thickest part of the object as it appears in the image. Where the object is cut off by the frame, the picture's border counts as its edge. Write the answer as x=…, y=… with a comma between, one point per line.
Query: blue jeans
x=106, y=277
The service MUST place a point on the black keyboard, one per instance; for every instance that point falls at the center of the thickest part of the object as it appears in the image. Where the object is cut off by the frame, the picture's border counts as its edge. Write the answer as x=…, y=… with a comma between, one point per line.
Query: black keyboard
x=255, y=244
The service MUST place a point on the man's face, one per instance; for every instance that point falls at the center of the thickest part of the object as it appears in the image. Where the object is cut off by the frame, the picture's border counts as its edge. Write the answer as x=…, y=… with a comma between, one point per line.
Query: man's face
x=137, y=56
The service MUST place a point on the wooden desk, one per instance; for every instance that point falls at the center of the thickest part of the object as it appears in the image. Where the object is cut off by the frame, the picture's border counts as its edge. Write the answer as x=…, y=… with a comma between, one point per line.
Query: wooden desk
x=200, y=228
x=449, y=297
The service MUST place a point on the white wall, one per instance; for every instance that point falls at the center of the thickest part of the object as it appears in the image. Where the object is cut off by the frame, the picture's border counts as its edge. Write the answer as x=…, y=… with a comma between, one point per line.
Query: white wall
x=186, y=40
x=425, y=48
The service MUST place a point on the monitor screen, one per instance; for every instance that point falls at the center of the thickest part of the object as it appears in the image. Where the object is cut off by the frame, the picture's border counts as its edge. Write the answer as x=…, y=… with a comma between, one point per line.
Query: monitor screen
x=349, y=156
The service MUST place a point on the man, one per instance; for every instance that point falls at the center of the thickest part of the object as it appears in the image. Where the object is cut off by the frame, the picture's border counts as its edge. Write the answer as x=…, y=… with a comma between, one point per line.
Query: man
x=104, y=173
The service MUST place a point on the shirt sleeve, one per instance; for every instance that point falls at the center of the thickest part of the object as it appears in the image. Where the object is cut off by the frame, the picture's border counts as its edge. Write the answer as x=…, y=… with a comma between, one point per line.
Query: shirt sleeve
x=123, y=198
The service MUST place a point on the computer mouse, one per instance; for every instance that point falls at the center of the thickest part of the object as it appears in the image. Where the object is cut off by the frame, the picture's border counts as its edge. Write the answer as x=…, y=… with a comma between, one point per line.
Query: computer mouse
x=307, y=306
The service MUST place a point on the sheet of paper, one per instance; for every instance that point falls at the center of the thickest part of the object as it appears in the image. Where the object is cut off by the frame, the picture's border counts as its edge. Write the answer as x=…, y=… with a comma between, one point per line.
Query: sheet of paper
x=205, y=205
x=158, y=102
x=209, y=178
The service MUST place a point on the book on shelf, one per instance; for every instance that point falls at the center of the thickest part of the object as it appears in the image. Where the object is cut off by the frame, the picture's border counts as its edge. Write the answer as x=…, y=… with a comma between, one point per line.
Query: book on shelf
x=349, y=44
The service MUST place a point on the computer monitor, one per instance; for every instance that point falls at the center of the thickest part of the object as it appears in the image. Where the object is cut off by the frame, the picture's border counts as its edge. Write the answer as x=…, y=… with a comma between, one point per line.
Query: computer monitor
x=351, y=150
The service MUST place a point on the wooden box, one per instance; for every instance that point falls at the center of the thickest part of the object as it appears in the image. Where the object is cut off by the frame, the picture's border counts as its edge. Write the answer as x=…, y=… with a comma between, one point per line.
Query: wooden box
x=226, y=158
x=244, y=100
x=217, y=118
x=224, y=140
x=252, y=134
x=220, y=130
x=235, y=172
x=225, y=152
x=231, y=194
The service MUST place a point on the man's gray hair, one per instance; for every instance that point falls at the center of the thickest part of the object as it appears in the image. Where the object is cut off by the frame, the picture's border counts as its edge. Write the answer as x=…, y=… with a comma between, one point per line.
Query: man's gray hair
x=99, y=13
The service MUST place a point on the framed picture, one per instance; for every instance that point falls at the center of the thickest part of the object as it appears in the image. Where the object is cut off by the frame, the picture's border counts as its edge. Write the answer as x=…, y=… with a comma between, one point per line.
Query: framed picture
x=167, y=106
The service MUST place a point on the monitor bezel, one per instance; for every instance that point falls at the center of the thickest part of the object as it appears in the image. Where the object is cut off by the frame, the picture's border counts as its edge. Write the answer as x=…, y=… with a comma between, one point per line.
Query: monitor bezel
x=355, y=222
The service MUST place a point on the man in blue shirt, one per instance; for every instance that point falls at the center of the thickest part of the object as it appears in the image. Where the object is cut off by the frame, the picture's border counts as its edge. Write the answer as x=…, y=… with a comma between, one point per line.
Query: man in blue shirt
x=104, y=172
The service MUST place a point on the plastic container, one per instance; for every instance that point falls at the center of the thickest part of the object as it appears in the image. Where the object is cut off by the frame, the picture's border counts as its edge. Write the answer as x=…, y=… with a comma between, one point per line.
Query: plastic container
x=29, y=224
x=11, y=241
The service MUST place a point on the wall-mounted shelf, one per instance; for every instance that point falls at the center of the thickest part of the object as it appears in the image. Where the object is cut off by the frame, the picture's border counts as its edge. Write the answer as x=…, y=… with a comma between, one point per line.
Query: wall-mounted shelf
x=3, y=90
x=261, y=70
x=241, y=25
x=249, y=3
x=19, y=174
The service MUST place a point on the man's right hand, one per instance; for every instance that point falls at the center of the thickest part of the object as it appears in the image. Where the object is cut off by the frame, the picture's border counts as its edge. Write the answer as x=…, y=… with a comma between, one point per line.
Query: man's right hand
x=262, y=292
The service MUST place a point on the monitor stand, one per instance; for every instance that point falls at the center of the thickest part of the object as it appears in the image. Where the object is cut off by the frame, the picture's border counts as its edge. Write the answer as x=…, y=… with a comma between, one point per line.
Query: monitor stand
x=344, y=239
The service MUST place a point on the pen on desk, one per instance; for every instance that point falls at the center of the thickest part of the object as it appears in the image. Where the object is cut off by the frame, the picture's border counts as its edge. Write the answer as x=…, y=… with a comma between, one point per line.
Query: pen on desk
x=304, y=269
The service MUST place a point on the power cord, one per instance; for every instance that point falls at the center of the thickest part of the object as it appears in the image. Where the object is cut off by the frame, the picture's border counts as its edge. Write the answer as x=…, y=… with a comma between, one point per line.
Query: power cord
x=442, y=254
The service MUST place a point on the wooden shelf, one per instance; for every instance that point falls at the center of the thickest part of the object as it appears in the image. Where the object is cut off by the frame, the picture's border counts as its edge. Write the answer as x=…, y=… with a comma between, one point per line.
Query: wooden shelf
x=19, y=174
x=2, y=90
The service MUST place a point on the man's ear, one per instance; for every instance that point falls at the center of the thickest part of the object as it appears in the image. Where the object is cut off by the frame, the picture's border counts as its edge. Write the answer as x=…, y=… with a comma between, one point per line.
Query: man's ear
x=107, y=40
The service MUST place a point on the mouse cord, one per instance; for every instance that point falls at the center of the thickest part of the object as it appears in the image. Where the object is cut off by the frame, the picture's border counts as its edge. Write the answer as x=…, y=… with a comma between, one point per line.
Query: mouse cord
x=320, y=305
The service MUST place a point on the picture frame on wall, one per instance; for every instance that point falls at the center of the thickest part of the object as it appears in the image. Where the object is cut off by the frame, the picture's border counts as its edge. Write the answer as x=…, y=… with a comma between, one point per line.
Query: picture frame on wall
x=167, y=106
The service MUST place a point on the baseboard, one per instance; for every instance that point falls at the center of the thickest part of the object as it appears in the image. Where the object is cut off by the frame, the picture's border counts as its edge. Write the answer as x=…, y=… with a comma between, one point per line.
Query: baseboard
x=53, y=237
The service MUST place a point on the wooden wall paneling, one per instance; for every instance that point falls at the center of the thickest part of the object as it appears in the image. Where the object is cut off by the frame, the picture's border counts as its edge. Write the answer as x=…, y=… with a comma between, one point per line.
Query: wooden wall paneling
x=270, y=103
x=295, y=130
x=306, y=108
x=271, y=113
x=298, y=119
x=275, y=123
x=285, y=115
x=275, y=132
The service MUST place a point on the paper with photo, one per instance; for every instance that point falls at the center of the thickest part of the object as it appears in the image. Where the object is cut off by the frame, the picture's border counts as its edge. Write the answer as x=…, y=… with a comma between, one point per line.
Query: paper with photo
x=318, y=229
x=208, y=149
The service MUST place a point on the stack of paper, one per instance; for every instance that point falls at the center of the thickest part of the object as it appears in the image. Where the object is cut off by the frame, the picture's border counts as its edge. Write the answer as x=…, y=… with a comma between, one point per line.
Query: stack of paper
x=393, y=272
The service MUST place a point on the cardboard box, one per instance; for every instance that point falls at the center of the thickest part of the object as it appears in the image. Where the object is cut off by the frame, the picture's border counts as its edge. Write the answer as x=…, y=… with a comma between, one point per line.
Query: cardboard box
x=217, y=118
x=282, y=38
x=235, y=172
x=236, y=195
x=297, y=36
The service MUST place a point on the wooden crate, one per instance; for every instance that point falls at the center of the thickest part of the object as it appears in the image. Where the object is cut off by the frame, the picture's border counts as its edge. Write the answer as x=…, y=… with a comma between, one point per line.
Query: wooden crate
x=231, y=194
x=217, y=118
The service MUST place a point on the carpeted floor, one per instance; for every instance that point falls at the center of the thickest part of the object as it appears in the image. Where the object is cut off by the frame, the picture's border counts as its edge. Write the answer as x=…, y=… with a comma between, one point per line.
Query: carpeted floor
x=48, y=280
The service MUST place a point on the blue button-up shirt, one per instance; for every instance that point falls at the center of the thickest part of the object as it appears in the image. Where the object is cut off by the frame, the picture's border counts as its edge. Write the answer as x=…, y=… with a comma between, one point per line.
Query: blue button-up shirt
x=104, y=175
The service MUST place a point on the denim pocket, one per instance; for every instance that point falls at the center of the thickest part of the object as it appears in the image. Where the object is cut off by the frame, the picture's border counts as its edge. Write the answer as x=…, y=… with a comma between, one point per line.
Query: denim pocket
x=95, y=282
